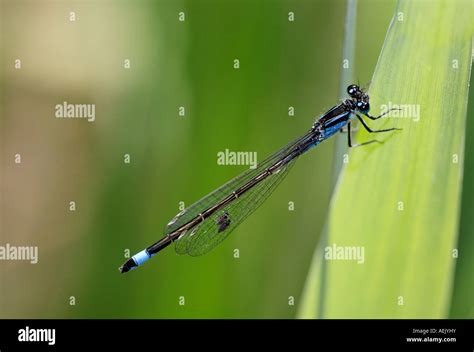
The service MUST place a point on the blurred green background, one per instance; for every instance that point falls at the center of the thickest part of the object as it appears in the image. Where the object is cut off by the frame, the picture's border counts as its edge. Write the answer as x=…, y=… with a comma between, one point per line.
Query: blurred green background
x=123, y=206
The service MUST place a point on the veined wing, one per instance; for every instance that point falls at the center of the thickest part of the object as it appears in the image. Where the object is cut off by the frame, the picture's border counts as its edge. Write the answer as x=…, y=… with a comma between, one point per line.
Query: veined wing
x=216, y=196
x=213, y=230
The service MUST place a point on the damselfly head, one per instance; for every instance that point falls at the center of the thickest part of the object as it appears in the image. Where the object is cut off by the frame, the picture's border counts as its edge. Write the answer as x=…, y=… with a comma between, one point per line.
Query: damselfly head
x=359, y=97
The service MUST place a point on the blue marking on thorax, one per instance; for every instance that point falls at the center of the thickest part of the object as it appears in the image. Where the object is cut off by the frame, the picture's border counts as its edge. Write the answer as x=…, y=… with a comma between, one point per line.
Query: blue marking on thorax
x=336, y=124
x=329, y=131
x=329, y=126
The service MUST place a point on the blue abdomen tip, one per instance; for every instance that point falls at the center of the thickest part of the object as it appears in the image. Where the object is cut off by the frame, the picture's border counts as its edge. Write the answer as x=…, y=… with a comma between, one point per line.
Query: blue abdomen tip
x=141, y=257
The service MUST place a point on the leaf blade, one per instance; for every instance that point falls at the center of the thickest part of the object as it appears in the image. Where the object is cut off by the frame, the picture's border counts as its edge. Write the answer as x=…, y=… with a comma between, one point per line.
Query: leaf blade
x=400, y=202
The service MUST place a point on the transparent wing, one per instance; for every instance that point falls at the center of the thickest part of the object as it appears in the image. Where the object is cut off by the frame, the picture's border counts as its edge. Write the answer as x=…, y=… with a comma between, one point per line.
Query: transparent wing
x=217, y=227
x=213, y=198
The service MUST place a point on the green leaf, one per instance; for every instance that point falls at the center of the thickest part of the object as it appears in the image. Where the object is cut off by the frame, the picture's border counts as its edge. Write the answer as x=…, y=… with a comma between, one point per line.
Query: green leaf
x=399, y=201
x=462, y=305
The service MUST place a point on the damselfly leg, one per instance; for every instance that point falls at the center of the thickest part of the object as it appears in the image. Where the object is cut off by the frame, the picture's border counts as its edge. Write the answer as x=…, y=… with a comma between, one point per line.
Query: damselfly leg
x=349, y=139
x=368, y=129
x=381, y=115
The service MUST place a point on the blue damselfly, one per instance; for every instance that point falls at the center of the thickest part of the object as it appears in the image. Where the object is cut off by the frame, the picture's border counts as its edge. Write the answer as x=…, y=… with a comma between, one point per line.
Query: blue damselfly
x=206, y=223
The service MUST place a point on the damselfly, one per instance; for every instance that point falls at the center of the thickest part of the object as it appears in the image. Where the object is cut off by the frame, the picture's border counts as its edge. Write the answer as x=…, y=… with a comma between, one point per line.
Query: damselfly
x=206, y=223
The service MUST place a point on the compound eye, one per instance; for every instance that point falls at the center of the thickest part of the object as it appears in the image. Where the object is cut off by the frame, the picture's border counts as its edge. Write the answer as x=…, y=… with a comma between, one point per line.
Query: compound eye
x=363, y=106
x=352, y=90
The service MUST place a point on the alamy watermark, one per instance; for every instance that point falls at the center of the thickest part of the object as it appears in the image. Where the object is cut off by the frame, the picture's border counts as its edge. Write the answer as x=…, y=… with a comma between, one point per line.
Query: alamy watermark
x=228, y=157
x=37, y=335
x=79, y=111
x=407, y=111
x=9, y=252
x=354, y=253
